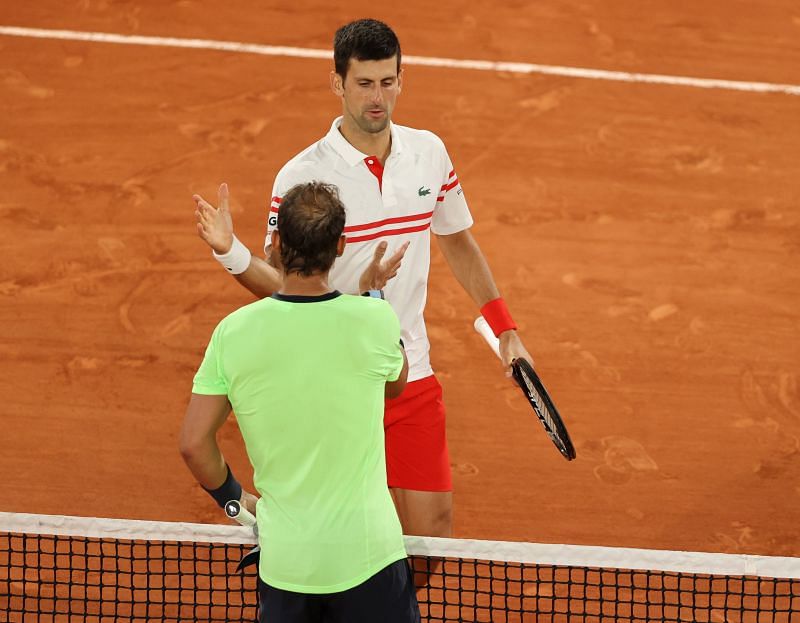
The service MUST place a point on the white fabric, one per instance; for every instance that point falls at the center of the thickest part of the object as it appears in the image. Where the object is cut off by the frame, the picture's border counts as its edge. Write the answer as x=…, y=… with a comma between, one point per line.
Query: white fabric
x=237, y=260
x=420, y=193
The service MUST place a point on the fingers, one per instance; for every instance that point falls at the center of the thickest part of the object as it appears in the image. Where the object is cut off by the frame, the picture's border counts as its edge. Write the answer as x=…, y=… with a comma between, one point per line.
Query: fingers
x=505, y=363
x=248, y=500
x=380, y=251
x=205, y=216
x=399, y=254
x=223, y=196
x=392, y=265
x=203, y=205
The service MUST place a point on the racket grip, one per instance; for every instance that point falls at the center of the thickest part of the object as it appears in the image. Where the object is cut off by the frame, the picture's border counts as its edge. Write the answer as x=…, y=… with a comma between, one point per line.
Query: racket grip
x=237, y=512
x=482, y=327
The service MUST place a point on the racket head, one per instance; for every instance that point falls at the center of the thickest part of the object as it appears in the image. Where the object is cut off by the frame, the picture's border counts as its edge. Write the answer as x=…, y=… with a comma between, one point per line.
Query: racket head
x=531, y=385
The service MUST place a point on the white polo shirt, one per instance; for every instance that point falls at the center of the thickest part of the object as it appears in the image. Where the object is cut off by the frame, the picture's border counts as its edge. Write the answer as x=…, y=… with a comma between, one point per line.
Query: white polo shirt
x=419, y=192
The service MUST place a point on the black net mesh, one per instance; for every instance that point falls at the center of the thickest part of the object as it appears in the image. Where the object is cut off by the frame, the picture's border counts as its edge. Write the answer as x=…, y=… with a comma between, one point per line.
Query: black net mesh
x=69, y=579
x=463, y=589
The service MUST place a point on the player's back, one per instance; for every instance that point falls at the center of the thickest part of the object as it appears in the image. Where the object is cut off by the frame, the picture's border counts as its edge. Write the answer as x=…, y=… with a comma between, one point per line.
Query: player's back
x=306, y=379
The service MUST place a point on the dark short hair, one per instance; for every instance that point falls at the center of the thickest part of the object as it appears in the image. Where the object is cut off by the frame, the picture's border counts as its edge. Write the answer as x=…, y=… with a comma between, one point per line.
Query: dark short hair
x=310, y=223
x=364, y=40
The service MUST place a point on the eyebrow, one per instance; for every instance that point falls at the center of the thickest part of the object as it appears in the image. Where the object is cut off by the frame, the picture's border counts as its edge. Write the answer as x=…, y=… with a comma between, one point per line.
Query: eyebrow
x=364, y=79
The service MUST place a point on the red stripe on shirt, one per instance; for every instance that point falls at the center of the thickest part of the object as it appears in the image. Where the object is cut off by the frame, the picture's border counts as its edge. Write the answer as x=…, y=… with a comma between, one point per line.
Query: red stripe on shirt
x=273, y=209
x=388, y=232
x=388, y=221
x=450, y=186
x=276, y=200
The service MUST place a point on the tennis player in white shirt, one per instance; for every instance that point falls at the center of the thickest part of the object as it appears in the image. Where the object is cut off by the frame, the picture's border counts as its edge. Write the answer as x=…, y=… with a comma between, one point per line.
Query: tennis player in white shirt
x=398, y=185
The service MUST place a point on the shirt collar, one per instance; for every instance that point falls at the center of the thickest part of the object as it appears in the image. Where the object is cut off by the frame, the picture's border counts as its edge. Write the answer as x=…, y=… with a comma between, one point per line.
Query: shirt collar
x=349, y=153
x=299, y=298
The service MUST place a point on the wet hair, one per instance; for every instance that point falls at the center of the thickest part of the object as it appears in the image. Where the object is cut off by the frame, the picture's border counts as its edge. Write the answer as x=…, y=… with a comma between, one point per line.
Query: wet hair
x=364, y=40
x=310, y=223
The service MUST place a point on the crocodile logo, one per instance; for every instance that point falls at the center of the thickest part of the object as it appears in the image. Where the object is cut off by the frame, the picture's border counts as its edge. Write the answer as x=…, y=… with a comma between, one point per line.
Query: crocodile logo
x=424, y=191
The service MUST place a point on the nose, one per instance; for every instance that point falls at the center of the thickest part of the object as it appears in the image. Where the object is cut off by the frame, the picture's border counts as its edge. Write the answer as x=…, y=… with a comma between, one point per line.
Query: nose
x=377, y=94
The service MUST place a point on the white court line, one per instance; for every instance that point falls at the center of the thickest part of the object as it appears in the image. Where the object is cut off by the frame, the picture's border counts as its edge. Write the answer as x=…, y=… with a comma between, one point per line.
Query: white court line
x=450, y=63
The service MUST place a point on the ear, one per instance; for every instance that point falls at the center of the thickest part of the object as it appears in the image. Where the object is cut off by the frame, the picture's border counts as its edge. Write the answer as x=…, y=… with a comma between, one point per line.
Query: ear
x=341, y=245
x=400, y=80
x=275, y=240
x=337, y=84
x=275, y=249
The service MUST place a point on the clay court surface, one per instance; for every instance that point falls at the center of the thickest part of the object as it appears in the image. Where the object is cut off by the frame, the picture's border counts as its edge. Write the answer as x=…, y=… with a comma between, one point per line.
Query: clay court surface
x=646, y=237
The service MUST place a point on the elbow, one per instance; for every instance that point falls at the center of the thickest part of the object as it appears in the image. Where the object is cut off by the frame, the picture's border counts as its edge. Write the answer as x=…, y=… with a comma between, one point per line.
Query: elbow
x=393, y=390
x=187, y=451
x=189, y=448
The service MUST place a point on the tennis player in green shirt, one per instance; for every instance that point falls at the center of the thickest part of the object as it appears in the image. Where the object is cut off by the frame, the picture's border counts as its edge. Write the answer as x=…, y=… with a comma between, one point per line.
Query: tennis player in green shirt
x=306, y=372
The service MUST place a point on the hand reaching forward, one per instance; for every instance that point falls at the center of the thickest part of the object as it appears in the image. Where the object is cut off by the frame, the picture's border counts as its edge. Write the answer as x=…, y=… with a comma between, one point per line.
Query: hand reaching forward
x=379, y=272
x=215, y=225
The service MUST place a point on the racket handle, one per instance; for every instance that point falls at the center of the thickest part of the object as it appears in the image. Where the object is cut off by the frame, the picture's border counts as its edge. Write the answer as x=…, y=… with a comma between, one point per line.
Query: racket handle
x=482, y=327
x=236, y=511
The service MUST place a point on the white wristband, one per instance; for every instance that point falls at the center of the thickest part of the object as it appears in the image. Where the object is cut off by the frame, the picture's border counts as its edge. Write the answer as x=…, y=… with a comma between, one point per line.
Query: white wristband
x=237, y=259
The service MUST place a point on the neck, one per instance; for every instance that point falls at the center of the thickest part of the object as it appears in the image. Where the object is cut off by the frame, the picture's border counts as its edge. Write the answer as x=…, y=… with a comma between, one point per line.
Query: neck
x=377, y=144
x=298, y=285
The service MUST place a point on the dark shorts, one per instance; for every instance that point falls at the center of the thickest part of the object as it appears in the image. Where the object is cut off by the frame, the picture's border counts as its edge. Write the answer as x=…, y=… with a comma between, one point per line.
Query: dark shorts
x=416, y=440
x=388, y=596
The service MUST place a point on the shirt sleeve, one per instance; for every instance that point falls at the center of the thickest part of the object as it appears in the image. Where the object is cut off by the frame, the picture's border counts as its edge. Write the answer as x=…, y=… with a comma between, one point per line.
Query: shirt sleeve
x=390, y=357
x=210, y=379
x=451, y=214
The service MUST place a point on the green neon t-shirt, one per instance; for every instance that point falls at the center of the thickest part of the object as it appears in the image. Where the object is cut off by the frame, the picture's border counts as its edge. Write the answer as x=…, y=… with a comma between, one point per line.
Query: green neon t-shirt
x=306, y=379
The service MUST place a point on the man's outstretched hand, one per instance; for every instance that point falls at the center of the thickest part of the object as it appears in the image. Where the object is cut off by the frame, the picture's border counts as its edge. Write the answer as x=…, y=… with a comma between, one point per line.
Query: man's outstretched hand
x=215, y=225
x=380, y=271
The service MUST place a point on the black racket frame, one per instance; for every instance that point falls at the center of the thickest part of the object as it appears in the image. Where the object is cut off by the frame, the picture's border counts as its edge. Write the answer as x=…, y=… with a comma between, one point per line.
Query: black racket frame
x=534, y=390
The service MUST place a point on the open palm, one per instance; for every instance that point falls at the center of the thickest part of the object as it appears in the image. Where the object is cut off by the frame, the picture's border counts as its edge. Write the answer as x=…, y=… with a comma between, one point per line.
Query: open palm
x=215, y=225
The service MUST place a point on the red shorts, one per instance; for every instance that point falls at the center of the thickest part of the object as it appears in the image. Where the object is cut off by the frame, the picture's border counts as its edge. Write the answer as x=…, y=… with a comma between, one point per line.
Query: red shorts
x=416, y=442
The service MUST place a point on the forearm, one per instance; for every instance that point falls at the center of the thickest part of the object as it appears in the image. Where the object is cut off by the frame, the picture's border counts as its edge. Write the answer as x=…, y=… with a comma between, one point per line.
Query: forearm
x=197, y=442
x=472, y=272
x=469, y=267
x=204, y=459
x=261, y=278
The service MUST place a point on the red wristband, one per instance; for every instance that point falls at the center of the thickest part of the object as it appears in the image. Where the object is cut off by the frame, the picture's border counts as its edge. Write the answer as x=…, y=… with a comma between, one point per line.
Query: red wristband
x=498, y=317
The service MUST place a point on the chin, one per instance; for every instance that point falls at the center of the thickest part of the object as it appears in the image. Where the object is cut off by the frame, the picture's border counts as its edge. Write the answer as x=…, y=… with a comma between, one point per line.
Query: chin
x=374, y=127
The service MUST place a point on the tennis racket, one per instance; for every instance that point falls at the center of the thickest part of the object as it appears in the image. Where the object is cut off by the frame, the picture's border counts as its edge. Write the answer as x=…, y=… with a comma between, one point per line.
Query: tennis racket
x=237, y=512
x=531, y=385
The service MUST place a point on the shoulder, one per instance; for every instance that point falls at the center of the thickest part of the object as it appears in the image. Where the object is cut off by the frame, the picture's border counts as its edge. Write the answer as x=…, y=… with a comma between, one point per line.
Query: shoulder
x=380, y=310
x=368, y=307
x=242, y=316
x=301, y=167
x=419, y=139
